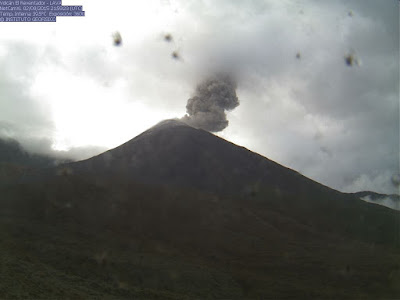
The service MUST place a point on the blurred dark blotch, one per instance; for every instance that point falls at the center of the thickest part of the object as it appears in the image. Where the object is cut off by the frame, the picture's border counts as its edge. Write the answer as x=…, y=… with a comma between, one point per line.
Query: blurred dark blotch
x=350, y=14
x=351, y=60
x=175, y=55
x=117, y=38
x=168, y=37
x=298, y=55
x=396, y=180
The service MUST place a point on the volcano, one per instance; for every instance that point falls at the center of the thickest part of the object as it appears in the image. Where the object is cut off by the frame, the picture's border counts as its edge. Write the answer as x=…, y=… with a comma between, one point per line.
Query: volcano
x=179, y=213
x=174, y=154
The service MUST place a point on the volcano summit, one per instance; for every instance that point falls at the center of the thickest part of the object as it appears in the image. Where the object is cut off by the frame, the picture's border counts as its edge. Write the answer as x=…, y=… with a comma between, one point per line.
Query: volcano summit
x=179, y=213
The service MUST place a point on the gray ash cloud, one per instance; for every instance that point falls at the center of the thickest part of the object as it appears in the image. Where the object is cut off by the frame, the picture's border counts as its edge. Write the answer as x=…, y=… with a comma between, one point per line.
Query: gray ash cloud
x=213, y=97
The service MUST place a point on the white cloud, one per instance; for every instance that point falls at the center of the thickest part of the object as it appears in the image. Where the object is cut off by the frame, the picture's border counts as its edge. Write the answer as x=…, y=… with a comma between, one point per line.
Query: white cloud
x=385, y=201
x=66, y=81
x=380, y=183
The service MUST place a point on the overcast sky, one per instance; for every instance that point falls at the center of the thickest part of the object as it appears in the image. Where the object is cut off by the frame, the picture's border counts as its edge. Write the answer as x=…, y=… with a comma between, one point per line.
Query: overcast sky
x=65, y=86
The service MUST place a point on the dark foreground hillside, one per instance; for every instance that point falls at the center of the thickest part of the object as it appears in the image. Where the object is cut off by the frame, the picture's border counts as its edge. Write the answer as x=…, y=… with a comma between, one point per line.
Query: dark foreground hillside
x=74, y=238
x=178, y=213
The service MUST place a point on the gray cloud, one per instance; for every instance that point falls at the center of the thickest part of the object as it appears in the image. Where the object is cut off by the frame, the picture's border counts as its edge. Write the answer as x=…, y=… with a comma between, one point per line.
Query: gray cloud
x=335, y=124
x=354, y=112
x=37, y=144
x=24, y=117
x=94, y=63
x=20, y=112
x=392, y=202
x=206, y=109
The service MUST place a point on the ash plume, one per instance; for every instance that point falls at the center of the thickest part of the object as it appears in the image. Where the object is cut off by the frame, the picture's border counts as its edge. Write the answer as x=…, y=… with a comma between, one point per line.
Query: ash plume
x=213, y=97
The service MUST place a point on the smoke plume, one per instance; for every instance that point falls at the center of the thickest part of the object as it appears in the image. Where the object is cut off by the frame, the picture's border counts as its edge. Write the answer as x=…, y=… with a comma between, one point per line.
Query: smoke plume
x=206, y=109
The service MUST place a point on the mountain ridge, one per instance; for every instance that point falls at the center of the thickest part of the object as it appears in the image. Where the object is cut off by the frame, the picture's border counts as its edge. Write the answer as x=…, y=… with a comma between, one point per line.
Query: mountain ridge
x=187, y=151
x=174, y=154
x=178, y=213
